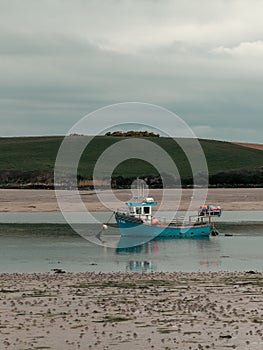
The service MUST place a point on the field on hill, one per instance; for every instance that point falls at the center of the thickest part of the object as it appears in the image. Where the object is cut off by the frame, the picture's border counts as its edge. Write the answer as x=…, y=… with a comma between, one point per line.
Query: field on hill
x=250, y=145
x=25, y=160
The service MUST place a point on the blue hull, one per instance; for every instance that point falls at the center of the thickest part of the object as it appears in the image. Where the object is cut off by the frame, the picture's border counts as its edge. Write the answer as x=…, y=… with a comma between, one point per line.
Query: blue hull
x=136, y=228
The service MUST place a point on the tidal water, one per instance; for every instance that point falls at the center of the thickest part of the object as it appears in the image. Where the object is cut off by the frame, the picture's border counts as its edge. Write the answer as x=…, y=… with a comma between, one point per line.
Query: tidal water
x=57, y=217
x=41, y=247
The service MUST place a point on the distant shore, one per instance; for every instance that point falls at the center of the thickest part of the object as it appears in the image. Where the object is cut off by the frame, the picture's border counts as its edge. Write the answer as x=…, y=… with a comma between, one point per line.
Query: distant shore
x=119, y=311
x=12, y=200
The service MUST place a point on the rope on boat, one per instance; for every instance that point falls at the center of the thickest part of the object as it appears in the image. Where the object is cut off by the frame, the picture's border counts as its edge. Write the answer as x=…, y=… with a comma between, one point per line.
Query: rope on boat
x=104, y=228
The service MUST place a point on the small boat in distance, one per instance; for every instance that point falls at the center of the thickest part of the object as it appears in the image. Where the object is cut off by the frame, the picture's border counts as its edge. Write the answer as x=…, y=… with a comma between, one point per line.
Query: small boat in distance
x=137, y=220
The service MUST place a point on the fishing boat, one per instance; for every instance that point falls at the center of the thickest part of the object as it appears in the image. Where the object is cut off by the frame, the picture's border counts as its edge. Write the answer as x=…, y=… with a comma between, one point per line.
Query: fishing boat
x=138, y=220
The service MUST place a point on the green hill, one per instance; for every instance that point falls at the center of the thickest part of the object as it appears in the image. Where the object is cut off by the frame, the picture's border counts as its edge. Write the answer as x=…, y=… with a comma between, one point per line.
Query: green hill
x=26, y=160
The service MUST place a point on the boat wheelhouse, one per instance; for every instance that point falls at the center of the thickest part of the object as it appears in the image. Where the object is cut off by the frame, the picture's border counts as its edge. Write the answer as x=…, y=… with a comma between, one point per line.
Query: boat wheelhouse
x=142, y=210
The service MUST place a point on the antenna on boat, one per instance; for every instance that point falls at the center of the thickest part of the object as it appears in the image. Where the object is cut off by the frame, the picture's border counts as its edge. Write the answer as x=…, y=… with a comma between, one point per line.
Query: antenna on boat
x=140, y=189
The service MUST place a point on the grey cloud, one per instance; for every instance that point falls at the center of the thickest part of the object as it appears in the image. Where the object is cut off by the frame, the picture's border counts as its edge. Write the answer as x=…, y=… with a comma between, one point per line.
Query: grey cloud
x=30, y=44
x=65, y=59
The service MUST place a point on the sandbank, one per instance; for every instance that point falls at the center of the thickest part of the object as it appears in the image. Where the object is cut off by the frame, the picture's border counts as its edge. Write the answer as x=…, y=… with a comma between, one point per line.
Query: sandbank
x=13, y=200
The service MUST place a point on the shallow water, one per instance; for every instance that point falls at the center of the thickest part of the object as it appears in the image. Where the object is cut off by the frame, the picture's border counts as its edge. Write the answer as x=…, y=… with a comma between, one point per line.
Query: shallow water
x=43, y=247
x=93, y=217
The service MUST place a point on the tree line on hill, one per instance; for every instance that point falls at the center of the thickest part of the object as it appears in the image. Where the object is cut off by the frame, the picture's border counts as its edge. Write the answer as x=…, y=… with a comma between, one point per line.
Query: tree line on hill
x=45, y=180
x=224, y=179
x=132, y=133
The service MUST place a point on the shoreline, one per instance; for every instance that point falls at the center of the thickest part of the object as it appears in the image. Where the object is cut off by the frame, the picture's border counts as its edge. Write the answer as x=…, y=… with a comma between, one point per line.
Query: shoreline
x=239, y=199
x=131, y=310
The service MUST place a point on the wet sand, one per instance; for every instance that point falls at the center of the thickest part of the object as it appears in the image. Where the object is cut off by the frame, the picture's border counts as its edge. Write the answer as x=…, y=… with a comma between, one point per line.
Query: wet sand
x=45, y=200
x=131, y=311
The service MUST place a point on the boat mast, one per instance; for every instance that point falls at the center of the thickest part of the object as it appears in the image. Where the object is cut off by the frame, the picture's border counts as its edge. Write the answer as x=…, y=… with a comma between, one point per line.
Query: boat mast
x=140, y=189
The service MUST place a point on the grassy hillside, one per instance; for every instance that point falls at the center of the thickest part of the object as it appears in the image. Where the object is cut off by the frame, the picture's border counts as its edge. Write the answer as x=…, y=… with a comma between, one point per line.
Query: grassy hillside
x=31, y=159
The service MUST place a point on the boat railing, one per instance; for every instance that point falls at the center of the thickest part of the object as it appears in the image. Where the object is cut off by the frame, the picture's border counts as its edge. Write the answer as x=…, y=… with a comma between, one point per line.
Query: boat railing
x=182, y=220
x=177, y=221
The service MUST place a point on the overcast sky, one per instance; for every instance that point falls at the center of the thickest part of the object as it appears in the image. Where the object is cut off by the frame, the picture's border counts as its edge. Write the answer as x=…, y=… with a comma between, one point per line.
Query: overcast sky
x=202, y=59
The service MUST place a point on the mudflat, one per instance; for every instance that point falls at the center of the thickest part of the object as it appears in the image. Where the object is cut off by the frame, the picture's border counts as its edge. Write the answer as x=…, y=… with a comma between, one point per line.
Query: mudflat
x=45, y=200
x=131, y=311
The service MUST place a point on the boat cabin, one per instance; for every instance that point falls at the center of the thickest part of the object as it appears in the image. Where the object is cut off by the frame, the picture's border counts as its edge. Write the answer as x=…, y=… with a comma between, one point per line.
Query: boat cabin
x=142, y=210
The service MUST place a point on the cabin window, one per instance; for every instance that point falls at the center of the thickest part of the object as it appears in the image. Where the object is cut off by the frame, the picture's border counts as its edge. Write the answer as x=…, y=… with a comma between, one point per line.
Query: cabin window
x=138, y=210
x=146, y=210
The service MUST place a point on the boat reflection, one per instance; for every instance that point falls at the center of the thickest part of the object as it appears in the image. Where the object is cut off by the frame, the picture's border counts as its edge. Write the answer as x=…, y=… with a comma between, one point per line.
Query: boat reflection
x=135, y=243
x=138, y=266
x=147, y=247
x=150, y=255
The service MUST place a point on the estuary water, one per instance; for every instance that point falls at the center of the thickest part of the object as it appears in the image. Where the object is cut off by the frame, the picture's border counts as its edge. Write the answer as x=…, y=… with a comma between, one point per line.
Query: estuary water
x=42, y=247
